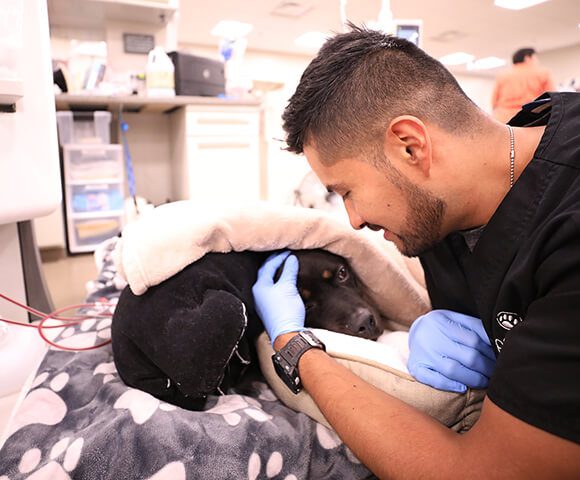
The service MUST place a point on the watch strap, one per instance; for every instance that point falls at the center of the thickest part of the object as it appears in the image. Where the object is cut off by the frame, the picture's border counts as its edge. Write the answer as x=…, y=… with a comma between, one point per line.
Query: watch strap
x=287, y=358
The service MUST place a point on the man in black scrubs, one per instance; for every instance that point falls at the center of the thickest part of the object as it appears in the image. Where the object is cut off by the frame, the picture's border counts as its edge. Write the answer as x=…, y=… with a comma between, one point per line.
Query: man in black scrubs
x=493, y=212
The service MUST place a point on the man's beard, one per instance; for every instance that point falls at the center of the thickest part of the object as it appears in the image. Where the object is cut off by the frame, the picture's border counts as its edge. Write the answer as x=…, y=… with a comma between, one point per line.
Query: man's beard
x=423, y=222
x=425, y=216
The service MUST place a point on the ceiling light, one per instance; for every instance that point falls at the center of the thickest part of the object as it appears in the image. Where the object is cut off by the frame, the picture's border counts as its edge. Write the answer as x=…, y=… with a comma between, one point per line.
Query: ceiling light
x=449, y=36
x=291, y=9
x=457, y=58
x=311, y=40
x=517, y=4
x=486, y=63
x=231, y=29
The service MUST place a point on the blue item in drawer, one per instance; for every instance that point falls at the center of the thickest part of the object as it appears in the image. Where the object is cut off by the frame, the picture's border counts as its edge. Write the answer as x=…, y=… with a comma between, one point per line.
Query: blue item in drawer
x=97, y=201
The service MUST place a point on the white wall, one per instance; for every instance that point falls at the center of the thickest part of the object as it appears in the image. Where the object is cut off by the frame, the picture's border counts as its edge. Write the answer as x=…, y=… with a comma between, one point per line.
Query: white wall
x=60, y=39
x=478, y=88
x=564, y=64
x=120, y=63
x=148, y=139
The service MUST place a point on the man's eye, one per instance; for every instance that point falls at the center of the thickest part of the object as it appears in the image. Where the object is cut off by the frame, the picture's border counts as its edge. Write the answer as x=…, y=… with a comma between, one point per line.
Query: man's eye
x=342, y=274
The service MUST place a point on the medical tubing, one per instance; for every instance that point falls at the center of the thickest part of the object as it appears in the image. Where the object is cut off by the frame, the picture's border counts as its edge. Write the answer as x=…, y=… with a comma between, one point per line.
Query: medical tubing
x=71, y=349
x=41, y=315
x=66, y=321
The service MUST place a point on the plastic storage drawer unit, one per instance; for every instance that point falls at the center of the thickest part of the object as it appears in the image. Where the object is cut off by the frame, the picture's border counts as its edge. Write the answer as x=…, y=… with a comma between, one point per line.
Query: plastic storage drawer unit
x=86, y=163
x=95, y=194
x=90, y=232
x=97, y=197
x=83, y=127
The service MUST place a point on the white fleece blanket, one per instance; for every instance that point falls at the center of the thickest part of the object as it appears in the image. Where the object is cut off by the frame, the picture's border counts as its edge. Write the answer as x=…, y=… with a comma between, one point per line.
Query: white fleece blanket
x=172, y=236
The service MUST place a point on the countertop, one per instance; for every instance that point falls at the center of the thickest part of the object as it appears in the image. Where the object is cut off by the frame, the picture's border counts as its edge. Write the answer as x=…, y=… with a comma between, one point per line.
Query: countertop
x=138, y=103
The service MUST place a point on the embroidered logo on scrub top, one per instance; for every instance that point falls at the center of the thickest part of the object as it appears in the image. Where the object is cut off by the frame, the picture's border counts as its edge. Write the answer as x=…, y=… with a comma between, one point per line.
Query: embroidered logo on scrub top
x=507, y=321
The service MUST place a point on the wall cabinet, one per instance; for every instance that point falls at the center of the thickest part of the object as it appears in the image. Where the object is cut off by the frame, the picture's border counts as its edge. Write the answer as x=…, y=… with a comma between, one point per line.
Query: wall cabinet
x=217, y=154
x=94, y=13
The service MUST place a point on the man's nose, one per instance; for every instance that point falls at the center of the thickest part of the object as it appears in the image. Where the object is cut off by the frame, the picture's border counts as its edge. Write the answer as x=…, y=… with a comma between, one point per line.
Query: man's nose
x=356, y=221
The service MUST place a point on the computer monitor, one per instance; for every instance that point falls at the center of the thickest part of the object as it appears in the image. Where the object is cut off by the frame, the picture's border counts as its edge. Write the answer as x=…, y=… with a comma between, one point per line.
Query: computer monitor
x=409, y=30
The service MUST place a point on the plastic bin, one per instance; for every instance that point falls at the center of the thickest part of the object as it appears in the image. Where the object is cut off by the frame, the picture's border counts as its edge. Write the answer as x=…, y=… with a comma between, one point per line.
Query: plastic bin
x=88, y=233
x=93, y=163
x=83, y=127
x=97, y=197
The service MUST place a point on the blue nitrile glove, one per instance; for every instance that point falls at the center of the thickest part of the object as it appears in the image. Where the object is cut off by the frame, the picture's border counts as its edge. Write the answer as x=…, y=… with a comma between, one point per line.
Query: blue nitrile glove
x=279, y=304
x=450, y=351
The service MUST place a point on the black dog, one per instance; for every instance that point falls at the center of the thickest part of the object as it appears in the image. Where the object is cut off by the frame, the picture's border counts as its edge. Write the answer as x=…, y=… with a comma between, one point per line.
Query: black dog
x=194, y=333
x=333, y=297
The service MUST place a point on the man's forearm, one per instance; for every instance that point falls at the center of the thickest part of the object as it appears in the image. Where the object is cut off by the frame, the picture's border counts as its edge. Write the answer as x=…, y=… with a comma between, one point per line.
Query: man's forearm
x=395, y=440
x=391, y=438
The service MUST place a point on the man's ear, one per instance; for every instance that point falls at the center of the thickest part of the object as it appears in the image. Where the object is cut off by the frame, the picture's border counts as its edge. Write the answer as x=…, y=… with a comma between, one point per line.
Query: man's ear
x=408, y=145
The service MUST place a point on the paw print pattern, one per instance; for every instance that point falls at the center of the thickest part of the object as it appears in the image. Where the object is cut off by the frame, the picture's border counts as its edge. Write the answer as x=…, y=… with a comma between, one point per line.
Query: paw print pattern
x=52, y=413
x=328, y=439
x=85, y=335
x=173, y=470
x=508, y=320
x=68, y=453
x=273, y=466
x=108, y=371
x=229, y=405
x=265, y=393
x=141, y=405
x=54, y=408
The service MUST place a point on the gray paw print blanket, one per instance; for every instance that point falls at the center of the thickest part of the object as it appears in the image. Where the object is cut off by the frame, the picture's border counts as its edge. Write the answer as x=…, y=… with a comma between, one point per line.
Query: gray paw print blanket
x=76, y=419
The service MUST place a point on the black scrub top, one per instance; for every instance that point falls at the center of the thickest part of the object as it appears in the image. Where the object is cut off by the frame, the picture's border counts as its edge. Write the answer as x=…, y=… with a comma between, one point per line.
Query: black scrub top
x=523, y=276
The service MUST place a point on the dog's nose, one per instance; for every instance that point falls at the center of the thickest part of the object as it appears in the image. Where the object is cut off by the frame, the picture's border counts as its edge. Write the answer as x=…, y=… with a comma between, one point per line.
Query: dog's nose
x=366, y=325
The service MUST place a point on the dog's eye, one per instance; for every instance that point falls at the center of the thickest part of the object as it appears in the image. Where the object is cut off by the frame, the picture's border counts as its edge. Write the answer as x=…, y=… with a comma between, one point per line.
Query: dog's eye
x=342, y=274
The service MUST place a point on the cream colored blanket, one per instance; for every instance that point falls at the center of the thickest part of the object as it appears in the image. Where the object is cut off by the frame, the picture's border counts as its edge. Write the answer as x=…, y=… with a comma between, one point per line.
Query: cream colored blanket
x=174, y=235
x=166, y=240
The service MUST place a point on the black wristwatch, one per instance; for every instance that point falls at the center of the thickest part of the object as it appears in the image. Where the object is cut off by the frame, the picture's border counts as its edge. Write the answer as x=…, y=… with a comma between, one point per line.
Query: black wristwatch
x=286, y=359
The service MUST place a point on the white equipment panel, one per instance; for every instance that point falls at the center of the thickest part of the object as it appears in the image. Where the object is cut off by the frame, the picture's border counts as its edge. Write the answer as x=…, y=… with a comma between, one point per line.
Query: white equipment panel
x=29, y=165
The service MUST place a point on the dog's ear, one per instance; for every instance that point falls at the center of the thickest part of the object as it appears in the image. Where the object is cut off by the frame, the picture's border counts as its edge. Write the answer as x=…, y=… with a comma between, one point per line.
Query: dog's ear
x=278, y=272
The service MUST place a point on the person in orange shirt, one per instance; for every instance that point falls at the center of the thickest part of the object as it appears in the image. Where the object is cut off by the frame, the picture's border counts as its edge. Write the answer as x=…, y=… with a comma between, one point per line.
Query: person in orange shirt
x=525, y=81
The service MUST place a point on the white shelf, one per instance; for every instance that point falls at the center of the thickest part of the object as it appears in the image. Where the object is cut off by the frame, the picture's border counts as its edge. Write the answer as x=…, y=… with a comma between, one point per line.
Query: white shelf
x=145, y=104
x=94, y=13
x=156, y=12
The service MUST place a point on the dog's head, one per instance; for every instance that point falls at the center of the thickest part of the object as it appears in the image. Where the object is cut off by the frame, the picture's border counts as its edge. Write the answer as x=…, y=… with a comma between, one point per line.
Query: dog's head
x=333, y=296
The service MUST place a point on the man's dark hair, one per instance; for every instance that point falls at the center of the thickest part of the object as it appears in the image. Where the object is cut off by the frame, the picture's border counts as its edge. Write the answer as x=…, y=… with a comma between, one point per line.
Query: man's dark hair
x=521, y=55
x=359, y=81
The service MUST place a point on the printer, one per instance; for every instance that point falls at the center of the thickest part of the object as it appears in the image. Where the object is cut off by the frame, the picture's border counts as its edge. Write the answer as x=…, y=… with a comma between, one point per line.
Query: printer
x=198, y=76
